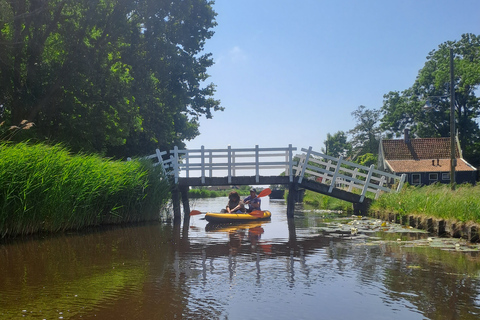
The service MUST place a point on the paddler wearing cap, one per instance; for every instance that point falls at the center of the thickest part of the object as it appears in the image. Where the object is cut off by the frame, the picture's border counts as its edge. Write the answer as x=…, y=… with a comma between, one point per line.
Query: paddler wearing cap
x=252, y=201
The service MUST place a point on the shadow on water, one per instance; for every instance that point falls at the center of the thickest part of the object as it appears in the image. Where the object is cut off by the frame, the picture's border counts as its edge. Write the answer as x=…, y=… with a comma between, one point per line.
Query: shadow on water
x=279, y=269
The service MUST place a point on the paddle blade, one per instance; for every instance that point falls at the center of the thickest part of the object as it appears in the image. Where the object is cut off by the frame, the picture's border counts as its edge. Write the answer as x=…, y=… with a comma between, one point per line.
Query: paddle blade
x=256, y=213
x=195, y=212
x=265, y=192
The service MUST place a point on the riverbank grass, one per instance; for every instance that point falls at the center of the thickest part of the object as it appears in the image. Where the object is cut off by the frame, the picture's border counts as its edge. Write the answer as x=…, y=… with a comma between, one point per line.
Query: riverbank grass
x=437, y=201
x=45, y=188
x=320, y=201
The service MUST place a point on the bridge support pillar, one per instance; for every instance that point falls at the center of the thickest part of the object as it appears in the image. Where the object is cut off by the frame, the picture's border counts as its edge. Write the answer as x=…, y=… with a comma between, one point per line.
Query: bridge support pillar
x=291, y=199
x=186, y=205
x=177, y=215
x=361, y=208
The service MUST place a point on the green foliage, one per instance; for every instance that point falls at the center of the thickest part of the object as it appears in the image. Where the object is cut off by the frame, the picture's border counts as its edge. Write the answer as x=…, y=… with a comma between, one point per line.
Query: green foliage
x=203, y=192
x=320, y=201
x=366, y=134
x=337, y=145
x=367, y=160
x=112, y=76
x=405, y=109
x=46, y=189
x=434, y=200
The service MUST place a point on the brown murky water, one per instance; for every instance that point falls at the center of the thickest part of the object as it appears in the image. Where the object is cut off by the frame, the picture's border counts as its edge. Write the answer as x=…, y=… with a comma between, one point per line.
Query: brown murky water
x=269, y=270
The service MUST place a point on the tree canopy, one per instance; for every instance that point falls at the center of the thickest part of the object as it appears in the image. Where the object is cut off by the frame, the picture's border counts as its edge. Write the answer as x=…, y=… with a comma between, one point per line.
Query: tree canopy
x=337, y=145
x=402, y=110
x=406, y=109
x=117, y=77
x=366, y=134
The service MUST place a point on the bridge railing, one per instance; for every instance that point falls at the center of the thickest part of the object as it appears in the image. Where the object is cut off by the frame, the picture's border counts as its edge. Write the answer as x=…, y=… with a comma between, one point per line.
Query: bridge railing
x=339, y=173
x=228, y=162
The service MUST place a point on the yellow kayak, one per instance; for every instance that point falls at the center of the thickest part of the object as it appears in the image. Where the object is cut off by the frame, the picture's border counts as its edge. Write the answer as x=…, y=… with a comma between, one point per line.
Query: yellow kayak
x=233, y=226
x=237, y=217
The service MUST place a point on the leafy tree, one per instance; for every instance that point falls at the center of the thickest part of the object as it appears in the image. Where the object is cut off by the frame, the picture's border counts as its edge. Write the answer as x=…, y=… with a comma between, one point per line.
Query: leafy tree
x=337, y=145
x=114, y=76
x=367, y=159
x=366, y=134
x=405, y=109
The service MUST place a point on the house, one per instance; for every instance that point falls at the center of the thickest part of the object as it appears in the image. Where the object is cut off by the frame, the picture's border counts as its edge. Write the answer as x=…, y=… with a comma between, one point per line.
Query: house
x=424, y=161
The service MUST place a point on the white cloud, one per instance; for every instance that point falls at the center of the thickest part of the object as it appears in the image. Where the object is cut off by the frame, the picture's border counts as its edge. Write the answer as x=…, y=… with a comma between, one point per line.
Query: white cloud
x=237, y=55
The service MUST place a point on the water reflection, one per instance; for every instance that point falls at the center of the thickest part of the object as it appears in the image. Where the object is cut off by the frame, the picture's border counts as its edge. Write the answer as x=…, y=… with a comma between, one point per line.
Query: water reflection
x=280, y=269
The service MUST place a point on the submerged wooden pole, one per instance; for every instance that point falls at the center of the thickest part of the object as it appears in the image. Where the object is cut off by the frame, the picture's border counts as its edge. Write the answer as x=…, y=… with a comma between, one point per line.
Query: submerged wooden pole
x=177, y=215
x=185, y=203
x=291, y=199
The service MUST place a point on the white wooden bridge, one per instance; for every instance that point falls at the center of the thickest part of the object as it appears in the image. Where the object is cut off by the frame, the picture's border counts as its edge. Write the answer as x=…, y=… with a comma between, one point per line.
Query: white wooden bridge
x=310, y=170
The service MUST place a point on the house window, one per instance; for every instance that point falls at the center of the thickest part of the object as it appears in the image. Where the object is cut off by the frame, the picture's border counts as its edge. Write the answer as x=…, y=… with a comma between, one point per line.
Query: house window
x=433, y=176
x=446, y=176
x=416, y=178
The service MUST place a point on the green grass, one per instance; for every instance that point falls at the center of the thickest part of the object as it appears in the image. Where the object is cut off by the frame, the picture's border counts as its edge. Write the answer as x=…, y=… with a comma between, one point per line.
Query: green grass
x=320, y=201
x=45, y=188
x=438, y=201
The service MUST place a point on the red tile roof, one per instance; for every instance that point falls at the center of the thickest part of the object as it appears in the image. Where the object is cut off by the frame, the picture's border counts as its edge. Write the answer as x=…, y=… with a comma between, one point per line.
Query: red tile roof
x=417, y=155
x=418, y=149
x=427, y=165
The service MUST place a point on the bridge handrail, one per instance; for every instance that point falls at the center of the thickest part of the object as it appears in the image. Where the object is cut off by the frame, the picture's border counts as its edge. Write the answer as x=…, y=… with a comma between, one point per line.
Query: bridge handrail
x=182, y=161
x=340, y=176
x=158, y=155
x=332, y=171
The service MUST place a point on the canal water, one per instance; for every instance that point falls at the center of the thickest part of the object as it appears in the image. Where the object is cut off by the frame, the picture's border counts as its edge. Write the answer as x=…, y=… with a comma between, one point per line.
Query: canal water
x=316, y=267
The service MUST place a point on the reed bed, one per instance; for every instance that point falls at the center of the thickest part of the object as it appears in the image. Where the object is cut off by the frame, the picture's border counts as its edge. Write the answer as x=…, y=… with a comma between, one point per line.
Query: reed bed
x=437, y=200
x=45, y=188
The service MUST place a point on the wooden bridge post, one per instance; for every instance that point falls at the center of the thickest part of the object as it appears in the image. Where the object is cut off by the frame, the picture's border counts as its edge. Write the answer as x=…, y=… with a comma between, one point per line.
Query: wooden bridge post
x=362, y=207
x=186, y=205
x=292, y=196
x=177, y=215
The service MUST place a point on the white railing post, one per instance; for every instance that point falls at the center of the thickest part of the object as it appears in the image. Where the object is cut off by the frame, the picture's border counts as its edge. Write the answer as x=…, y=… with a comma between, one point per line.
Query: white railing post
x=299, y=166
x=187, y=164
x=290, y=162
x=327, y=175
x=229, y=163
x=175, y=163
x=160, y=160
x=210, y=167
x=202, y=161
x=402, y=181
x=354, y=176
x=367, y=181
x=334, y=178
x=257, y=164
x=380, y=184
x=233, y=164
x=304, y=167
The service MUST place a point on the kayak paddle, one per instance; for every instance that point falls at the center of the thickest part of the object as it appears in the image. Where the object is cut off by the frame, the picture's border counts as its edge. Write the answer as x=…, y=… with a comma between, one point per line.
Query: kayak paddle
x=265, y=192
x=256, y=213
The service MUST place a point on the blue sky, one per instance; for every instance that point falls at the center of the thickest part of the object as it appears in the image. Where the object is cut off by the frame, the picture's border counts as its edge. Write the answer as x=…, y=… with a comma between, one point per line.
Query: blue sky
x=289, y=72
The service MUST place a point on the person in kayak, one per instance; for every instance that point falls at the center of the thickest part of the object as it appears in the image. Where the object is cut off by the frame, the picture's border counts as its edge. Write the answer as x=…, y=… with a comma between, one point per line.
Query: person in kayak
x=253, y=201
x=235, y=205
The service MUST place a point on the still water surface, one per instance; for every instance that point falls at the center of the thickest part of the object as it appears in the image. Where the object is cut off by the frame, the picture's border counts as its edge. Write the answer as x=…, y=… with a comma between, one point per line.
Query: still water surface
x=269, y=270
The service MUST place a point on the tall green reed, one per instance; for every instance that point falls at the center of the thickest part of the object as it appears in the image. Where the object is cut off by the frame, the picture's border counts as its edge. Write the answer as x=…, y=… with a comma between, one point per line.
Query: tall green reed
x=45, y=188
x=437, y=200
